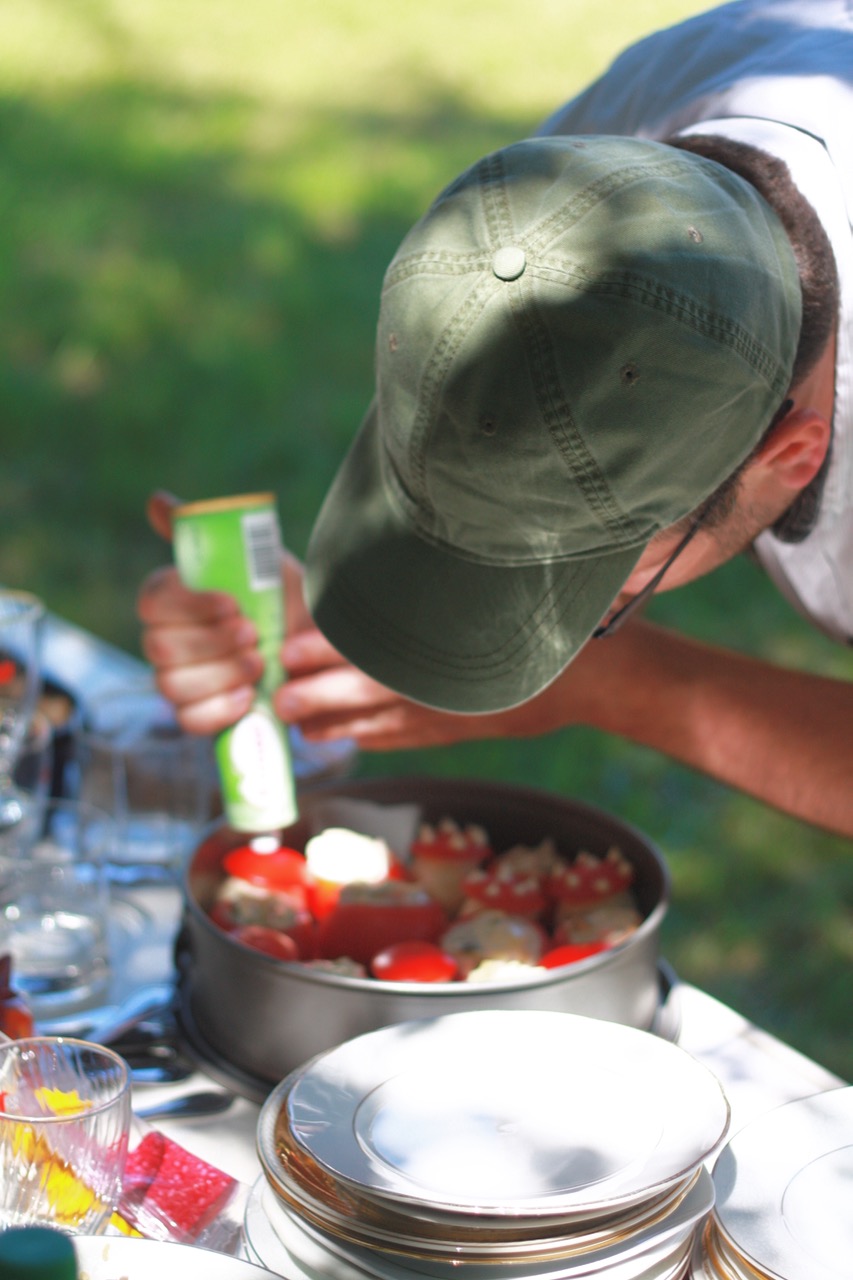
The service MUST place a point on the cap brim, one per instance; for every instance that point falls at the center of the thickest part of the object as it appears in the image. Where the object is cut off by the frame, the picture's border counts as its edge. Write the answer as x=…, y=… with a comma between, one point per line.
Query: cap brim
x=445, y=631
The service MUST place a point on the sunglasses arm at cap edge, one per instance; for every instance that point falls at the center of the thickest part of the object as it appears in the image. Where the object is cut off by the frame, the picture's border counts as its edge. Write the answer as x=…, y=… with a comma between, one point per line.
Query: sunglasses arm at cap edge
x=621, y=616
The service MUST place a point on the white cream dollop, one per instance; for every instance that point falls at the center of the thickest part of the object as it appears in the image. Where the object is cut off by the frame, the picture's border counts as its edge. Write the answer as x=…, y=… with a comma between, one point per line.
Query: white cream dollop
x=340, y=856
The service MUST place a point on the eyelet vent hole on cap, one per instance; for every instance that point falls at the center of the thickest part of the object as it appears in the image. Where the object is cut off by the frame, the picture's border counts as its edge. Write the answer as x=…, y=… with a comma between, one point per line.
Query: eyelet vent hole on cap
x=629, y=374
x=695, y=235
x=488, y=426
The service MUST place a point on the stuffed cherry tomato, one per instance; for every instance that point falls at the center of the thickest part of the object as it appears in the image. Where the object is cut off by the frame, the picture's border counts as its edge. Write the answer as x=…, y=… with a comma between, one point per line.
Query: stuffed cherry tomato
x=414, y=962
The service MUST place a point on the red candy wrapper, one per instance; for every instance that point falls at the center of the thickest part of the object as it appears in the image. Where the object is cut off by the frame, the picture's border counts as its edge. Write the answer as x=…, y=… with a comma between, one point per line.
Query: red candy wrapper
x=171, y=1194
x=16, y=1020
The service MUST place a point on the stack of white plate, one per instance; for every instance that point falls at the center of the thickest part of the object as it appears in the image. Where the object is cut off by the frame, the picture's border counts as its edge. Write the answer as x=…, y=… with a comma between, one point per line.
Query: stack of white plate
x=784, y=1196
x=488, y=1145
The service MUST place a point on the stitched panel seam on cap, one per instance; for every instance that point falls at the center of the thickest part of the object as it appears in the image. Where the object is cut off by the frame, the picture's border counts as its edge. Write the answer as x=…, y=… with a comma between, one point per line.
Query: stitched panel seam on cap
x=682, y=307
x=434, y=262
x=594, y=194
x=542, y=621
x=434, y=376
x=569, y=441
x=495, y=202
x=541, y=236
x=411, y=510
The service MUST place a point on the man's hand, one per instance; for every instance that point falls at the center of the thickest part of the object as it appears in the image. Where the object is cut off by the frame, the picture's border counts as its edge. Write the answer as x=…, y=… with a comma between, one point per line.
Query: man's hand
x=328, y=698
x=206, y=661
x=203, y=651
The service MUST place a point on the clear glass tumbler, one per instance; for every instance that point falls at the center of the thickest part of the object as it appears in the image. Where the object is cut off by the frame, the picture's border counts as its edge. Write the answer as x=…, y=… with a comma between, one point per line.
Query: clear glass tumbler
x=55, y=904
x=154, y=780
x=64, y=1123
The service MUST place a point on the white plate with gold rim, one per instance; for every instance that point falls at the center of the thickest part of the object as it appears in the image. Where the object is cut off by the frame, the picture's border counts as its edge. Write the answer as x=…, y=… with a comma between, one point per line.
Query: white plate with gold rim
x=130, y=1258
x=299, y=1256
x=650, y=1251
x=508, y=1111
x=784, y=1189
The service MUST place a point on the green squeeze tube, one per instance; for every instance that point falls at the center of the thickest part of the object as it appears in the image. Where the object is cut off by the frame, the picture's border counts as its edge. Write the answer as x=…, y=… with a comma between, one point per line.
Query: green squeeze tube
x=234, y=545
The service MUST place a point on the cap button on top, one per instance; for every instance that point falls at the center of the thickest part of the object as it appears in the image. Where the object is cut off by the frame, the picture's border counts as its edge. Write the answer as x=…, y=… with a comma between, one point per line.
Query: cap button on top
x=508, y=263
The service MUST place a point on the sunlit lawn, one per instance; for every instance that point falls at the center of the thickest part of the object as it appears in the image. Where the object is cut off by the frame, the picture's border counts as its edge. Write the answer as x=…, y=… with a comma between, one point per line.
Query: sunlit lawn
x=198, y=201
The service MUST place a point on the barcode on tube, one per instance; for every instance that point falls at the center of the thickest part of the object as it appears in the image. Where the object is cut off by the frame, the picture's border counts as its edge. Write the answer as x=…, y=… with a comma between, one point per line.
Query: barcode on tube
x=262, y=541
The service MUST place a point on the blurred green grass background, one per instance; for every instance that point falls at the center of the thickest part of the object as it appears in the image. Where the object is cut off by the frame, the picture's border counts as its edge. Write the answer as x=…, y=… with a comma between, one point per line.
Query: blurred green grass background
x=198, y=201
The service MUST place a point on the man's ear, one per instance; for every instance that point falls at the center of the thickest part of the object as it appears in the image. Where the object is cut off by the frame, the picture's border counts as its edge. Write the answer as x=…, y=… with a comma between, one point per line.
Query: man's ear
x=795, y=449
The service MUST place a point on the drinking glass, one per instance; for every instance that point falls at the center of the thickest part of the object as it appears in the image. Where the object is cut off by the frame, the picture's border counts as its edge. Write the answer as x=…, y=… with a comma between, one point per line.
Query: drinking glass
x=34, y=764
x=54, y=904
x=157, y=782
x=64, y=1124
x=20, y=681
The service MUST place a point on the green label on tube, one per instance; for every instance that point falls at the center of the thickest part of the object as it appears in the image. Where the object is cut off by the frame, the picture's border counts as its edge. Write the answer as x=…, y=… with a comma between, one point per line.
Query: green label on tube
x=234, y=545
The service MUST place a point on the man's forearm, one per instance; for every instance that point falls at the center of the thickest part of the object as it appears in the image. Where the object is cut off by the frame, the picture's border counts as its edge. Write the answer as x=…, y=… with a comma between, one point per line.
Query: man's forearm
x=783, y=736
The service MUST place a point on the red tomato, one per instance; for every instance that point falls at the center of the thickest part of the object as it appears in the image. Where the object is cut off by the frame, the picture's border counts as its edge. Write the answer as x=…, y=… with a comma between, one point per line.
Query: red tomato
x=304, y=933
x=413, y=962
x=322, y=897
x=399, y=870
x=569, y=952
x=272, y=942
x=222, y=916
x=277, y=869
x=361, y=929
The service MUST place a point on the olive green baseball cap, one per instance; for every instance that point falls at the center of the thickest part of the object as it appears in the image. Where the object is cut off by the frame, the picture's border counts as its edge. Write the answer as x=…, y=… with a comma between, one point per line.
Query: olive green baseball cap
x=579, y=341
